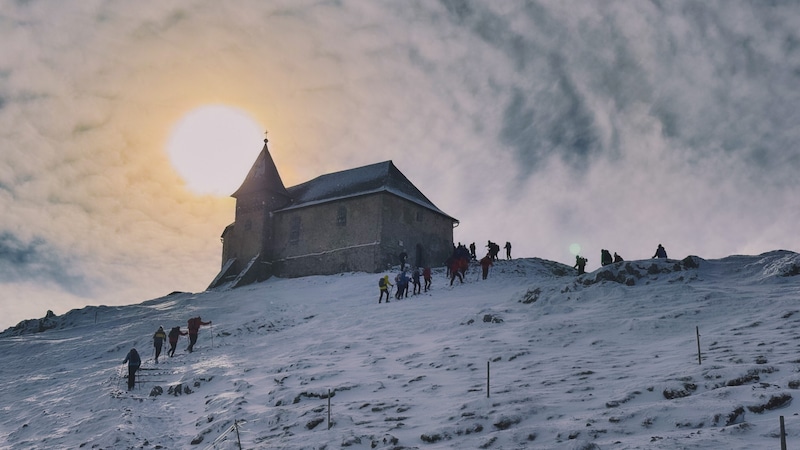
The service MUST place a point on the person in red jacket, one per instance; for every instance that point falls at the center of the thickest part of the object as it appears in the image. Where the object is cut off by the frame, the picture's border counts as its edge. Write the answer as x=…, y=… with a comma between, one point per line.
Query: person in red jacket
x=174, y=334
x=486, y=262
x=194, y=328
x=426, y=275
x=455, y=271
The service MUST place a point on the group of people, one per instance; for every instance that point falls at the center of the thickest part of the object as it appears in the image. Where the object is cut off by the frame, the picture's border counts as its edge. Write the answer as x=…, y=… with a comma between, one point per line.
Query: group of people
x=492, y=250
x=457, y=265
x=402, y=281
x=134, y=361
x=606, y=258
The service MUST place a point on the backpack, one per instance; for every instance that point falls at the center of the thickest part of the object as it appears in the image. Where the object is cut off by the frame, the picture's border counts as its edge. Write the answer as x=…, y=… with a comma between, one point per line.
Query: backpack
x=382, y=282
x=194, y=323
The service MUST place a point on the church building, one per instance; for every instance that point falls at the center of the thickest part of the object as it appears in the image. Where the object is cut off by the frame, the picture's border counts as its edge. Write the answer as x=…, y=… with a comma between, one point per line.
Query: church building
x=359, y=219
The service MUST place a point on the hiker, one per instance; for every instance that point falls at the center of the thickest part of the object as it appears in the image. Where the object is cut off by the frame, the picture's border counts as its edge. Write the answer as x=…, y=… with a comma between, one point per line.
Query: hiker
x=158, y=341
x=472, y=254
x=494, y=249
x=194, y=328
x=580, y=264
x=174, y=334
x=486, y=262
x=508, y=250
x=455, y=271
x=415, y=276
x=384, y=285
x=402, y=285
x=617, y=258
x=134, y=361
x=605, y=257
x=403, y=255
x=660, y=252
x=426, y=275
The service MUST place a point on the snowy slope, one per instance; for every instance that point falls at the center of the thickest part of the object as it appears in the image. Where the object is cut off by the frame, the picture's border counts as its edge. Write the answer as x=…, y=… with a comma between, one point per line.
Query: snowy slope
x=605, y=360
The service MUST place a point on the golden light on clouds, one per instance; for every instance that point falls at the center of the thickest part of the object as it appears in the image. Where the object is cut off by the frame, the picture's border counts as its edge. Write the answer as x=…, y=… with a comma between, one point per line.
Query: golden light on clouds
x=213, y=147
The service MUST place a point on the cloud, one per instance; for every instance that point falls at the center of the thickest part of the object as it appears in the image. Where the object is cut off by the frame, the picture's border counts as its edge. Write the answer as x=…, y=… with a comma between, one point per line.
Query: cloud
x=615, y=125
x=37, y=260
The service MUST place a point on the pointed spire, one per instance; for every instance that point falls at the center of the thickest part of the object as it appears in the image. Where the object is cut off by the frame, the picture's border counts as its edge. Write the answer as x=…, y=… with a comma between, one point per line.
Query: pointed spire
x=263, y=176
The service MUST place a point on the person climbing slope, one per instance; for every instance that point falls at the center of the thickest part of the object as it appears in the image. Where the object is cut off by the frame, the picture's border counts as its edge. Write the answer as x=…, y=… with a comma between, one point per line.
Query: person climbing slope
x=174, y=334
x=194, y=328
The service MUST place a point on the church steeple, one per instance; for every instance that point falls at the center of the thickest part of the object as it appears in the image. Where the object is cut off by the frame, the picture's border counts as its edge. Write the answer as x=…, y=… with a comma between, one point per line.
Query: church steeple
x=263, y=177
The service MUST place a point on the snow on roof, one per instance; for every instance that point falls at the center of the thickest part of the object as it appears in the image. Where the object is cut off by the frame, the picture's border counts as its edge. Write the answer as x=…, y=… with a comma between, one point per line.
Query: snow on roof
x=371, y=179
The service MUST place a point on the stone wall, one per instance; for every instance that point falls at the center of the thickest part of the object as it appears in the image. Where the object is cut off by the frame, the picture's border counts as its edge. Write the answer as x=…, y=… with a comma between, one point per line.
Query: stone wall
x=332, y=237
x=365, y=233
x=427, y=237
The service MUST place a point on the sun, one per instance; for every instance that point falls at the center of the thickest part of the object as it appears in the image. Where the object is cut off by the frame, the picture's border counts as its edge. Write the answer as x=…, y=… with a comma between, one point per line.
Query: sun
x=213, y=147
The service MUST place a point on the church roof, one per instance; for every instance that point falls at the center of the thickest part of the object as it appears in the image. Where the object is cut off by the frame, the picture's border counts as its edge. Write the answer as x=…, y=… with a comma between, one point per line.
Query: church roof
x=263, y=177
x=374, y=178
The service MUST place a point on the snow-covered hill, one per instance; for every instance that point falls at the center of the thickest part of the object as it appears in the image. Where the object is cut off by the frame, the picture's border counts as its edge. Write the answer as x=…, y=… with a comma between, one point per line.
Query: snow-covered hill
x=605, y=360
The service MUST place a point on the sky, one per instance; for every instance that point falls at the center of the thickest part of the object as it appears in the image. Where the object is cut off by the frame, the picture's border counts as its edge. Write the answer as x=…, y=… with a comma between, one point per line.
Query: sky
x=616, y=125
x=533, y=357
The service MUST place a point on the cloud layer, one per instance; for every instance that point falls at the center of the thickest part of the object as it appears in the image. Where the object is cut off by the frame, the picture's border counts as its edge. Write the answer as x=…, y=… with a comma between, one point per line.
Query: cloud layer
x=613, y=125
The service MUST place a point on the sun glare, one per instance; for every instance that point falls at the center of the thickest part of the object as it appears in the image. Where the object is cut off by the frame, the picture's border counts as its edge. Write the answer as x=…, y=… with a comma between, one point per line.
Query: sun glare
x=213, y=147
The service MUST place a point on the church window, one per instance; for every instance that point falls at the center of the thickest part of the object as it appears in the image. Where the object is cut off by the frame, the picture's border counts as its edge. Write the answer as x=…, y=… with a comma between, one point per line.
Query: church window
x=341, y=216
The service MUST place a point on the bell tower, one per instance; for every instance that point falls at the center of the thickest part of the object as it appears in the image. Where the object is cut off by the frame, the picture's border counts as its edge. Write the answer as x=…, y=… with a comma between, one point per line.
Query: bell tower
x=247, y=244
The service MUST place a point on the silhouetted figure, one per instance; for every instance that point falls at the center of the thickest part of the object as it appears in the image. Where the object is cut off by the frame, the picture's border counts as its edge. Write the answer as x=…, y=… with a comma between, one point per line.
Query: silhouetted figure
x=415, y=280
x=403, y=256
x=472, y=251
x=134, y=361
x=580, y=264
x=617, y=258
x=660, y=252
x=508, y=250
x=605, y=257
x=494, y=249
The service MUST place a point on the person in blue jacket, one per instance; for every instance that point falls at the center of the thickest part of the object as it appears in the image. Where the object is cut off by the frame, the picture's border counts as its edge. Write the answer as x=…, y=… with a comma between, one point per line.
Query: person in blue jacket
x=134, y=361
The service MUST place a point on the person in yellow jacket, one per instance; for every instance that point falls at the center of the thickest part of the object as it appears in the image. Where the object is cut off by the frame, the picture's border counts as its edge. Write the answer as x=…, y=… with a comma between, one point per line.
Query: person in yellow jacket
x=384, y=284
x=158, y=341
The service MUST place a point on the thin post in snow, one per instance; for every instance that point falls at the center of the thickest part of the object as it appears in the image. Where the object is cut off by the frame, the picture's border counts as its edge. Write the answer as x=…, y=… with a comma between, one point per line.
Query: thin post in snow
x=238, y=439
x=699, y=358
x=329, y=409
x=487, y=378
x=783, y=435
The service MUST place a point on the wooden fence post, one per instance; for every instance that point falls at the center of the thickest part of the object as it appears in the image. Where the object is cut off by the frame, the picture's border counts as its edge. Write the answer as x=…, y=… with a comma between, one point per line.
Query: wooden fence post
x=699, y=359
x=487, y=378
x=783, y=435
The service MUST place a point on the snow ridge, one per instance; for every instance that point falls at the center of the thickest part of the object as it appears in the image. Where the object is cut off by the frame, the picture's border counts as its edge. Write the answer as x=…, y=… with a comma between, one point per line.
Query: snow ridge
x=608, y=359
